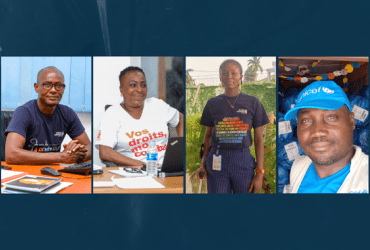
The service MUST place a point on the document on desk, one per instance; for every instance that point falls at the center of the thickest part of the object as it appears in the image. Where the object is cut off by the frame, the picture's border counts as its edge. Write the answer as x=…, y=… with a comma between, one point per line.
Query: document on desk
x=57, y=188
x=137, y=183
x=97, y=167
x=122, y=172
x=103, y=184
x=7, y=175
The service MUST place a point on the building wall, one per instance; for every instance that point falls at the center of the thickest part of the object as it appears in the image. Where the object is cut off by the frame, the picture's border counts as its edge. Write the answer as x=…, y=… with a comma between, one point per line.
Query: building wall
x=18, y=75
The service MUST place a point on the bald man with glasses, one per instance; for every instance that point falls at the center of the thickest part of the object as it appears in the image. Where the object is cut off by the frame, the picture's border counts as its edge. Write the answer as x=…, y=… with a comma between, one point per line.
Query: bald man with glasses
x=37, y=128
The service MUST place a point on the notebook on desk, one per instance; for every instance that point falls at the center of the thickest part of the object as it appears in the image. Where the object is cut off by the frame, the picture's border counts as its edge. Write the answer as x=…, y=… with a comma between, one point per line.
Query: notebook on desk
x=174, y=158
x=32, y=184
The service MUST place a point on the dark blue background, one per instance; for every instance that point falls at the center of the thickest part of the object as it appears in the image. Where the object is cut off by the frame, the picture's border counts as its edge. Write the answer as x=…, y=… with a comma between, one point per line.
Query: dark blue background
x=186, y=28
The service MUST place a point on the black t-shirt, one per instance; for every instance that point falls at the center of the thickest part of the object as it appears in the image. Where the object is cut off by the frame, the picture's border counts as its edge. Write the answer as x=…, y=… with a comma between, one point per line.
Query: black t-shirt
x=232, y=126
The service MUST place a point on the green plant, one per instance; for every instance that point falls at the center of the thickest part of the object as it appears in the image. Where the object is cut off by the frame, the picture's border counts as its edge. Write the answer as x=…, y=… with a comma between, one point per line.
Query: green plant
x=270, y=158
x=265, y=92
x=254, y=65
x=269, y=177
x=189, y=80
x=194, y=139
x=250, y=74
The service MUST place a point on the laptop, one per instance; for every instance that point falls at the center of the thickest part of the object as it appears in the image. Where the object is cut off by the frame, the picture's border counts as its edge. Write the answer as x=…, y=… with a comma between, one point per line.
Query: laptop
x=173, y=161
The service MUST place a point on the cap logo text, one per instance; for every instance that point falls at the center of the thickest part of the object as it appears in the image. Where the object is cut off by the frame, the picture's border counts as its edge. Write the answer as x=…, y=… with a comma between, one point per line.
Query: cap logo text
x=328, y=91
x=314, y=91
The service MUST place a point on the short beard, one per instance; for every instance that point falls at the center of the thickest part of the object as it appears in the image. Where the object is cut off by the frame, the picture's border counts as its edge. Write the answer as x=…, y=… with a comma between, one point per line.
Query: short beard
x=324, y=161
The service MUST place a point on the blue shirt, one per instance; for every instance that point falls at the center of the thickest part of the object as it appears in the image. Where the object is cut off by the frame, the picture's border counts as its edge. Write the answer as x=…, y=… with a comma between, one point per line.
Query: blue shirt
x=43, y=133
x=312, y=183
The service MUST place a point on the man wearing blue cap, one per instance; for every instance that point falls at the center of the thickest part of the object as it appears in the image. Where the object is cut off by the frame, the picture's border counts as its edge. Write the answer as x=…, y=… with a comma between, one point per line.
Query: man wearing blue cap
x=325, y=125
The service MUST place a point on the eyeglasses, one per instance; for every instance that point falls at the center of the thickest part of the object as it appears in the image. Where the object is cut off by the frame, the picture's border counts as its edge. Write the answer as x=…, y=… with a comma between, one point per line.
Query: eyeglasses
x=57, y=86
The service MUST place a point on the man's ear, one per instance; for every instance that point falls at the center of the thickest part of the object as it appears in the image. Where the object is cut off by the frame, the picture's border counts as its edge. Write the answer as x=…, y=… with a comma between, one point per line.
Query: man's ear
x=352, y=120
x=36, y=86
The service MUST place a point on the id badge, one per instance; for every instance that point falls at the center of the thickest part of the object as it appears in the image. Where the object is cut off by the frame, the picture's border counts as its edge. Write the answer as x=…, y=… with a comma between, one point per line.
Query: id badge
x=216, y=162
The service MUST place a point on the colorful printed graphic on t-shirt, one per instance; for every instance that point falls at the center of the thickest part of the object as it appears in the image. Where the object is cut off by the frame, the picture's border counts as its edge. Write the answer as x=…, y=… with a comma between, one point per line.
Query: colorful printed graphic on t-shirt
x=231, y=130
x=43, y=147
x=99, y=134
x=140, y=141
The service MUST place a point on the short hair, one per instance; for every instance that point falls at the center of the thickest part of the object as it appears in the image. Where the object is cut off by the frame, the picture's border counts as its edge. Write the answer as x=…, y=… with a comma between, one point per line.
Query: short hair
x=128, y=70
x=49, y=67
x=224, y=63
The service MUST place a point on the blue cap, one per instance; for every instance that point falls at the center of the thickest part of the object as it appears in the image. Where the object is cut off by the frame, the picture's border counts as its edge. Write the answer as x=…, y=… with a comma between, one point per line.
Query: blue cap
x=320, y=95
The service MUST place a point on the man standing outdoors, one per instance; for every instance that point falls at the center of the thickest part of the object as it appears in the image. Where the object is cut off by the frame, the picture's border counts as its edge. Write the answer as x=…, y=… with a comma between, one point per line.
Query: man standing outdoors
x=37, y=128
x=332, y=163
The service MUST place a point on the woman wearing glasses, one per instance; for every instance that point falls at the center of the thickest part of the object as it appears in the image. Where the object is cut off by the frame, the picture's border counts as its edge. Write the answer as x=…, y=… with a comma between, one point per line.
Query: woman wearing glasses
x=127, y=128
x=39, y=126
x=229, y=118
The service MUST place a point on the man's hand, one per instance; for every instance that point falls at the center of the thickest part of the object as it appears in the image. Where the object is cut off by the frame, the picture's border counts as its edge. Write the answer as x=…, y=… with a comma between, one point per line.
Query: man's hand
x=74, y=152
x=256, y=184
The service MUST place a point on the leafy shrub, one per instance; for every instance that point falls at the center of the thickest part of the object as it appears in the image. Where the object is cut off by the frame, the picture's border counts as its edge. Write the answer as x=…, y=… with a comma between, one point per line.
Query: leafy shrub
x=194, y=139
x=269, y=177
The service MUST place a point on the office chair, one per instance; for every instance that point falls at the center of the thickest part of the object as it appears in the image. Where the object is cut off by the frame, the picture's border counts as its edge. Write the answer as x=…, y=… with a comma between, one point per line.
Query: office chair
x=107, y=106
x=108, y=163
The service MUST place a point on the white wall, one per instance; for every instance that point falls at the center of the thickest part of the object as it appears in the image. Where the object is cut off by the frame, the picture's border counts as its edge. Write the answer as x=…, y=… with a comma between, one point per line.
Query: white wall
x=106, y=90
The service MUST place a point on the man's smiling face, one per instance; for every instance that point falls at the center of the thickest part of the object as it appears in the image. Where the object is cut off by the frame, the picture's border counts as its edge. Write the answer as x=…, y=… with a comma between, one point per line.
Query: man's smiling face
x=326, y=136
x=52, y=96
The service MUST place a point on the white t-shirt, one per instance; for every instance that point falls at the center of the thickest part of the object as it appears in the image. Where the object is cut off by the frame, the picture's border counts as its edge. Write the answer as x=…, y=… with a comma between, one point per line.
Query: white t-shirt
x=130, y=136
x=357, y=181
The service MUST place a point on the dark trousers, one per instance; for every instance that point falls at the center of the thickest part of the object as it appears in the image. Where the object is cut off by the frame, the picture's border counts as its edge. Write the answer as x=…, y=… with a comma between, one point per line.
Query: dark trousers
x=237, y=171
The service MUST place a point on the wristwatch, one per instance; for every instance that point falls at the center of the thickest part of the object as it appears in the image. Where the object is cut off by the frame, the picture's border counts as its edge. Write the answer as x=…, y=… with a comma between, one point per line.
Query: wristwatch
x=260, y=171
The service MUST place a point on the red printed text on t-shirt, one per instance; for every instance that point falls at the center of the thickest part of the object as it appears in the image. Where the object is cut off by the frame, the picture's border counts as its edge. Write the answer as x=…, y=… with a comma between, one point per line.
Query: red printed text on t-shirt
x=139, y=141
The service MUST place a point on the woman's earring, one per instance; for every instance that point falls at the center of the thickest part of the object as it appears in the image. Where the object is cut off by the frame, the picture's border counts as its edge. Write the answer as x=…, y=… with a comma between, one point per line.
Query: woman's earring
x=222, y=87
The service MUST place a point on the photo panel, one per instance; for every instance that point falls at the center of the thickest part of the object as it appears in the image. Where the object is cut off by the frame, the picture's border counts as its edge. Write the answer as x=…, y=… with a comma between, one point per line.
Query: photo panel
x=138, y=124
x=323, y=122
x=46, y=125
x=230, y=115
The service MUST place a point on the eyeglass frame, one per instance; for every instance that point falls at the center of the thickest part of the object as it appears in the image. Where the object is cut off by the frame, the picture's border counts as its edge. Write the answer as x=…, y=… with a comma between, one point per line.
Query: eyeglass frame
x=52, y=85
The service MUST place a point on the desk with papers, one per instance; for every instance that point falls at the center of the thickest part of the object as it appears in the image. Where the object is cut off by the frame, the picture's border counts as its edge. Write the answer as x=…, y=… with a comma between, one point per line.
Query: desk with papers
x=112, y=182
x=81, y=184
